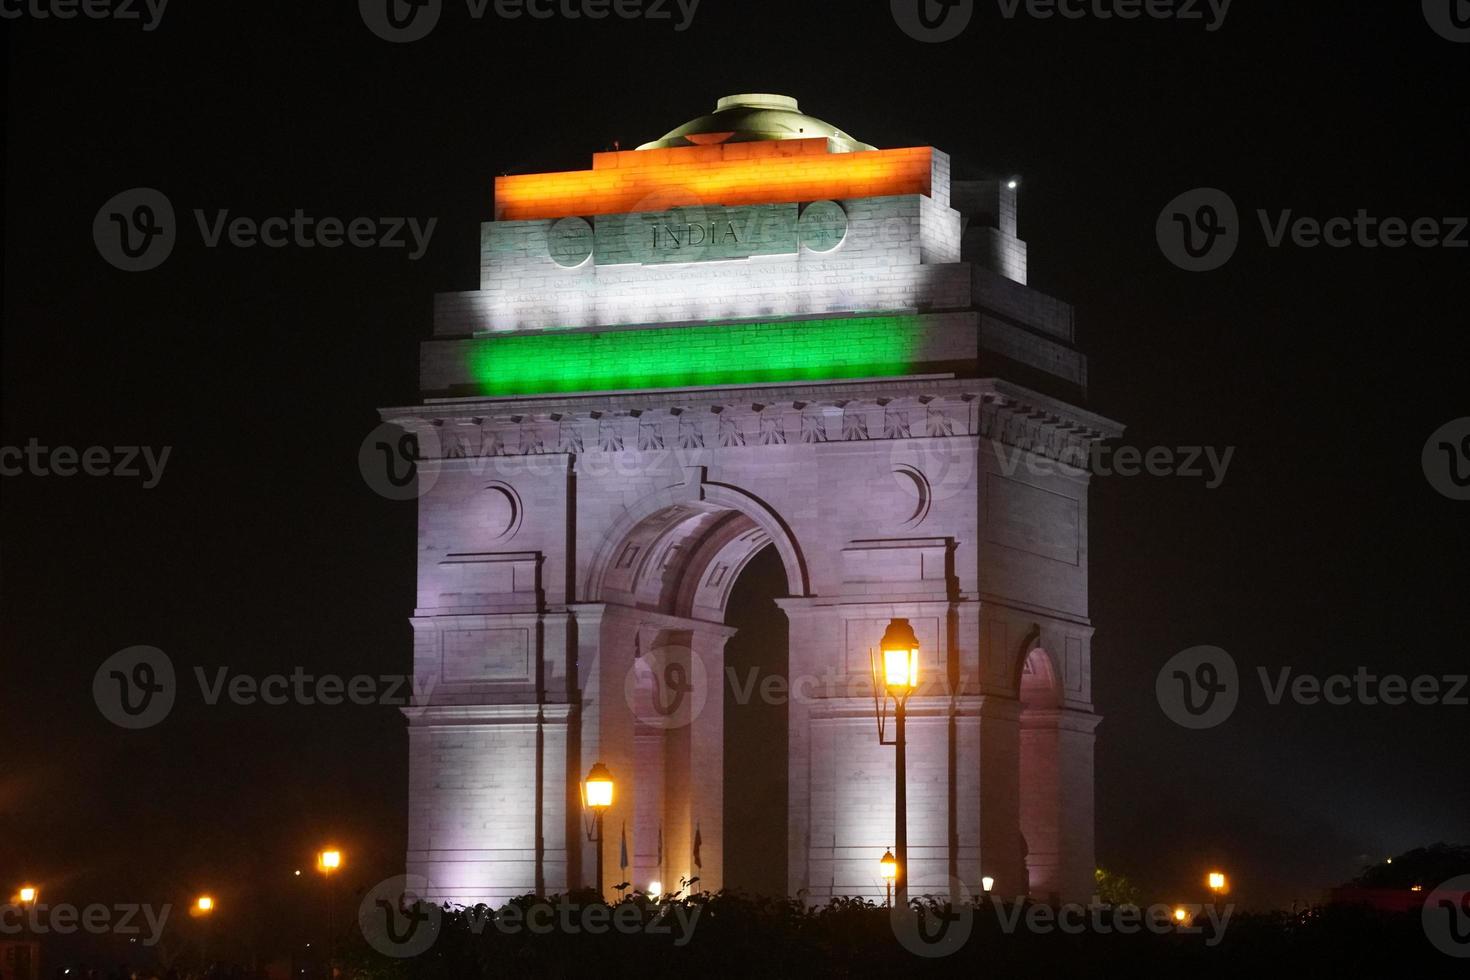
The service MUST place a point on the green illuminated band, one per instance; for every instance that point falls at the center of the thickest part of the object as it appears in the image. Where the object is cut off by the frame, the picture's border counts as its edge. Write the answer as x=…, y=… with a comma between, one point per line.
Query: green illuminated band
x=681, y=357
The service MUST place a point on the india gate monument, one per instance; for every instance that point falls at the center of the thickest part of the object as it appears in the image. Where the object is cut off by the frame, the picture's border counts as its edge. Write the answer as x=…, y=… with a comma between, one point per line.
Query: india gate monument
x=757, y=342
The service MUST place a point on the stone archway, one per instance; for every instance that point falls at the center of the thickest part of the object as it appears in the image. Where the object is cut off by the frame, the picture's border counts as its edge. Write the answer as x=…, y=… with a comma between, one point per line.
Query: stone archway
x=659, y=585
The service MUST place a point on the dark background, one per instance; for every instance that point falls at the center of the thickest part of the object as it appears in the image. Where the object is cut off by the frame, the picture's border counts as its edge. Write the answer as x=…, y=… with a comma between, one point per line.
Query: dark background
x=262, y=549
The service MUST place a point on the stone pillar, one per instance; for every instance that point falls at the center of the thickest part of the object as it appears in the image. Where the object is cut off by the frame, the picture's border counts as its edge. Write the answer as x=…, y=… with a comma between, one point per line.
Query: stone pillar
x=1057, y=802
x=606, y=642
x=695, y=754
x=806, y=640
x=999, y=803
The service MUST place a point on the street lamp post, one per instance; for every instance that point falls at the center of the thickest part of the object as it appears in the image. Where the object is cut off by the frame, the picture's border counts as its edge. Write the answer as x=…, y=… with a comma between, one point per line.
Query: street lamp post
x=329, y=862
x=597, y=796
x=899, y=650
x=888, y=869
x=203, y=909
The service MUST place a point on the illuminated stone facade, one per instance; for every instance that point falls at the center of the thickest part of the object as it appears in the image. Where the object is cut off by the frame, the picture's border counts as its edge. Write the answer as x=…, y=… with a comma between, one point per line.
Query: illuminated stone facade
x=754, y=334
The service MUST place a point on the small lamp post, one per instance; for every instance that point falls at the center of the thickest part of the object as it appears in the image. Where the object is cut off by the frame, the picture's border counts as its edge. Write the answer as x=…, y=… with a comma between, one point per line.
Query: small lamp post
x=597, y=796
x=1218, y=883
x=202, y=910
x=896, y=678
x=987, y=884
x=888, y=869
x=29, y=894
x=329, y=861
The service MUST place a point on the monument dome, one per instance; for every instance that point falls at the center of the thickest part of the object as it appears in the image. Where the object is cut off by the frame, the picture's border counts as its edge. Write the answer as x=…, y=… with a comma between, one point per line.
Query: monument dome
x=756, y=116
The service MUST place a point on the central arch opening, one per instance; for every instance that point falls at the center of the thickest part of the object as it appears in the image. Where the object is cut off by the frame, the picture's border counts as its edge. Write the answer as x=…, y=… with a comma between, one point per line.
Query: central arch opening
x=756, y=748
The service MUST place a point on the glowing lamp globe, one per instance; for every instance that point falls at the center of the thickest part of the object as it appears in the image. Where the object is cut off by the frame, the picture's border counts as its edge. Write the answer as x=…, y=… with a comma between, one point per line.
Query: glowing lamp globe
x=599, y=787
x=900, y=658
x=888, y=866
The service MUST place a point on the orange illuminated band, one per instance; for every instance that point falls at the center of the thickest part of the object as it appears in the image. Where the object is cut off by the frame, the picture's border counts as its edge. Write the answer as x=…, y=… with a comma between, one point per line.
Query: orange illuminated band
x=734, y=175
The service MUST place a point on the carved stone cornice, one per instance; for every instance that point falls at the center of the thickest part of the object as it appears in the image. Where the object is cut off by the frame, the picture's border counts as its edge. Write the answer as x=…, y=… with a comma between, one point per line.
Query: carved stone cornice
x=720, y=418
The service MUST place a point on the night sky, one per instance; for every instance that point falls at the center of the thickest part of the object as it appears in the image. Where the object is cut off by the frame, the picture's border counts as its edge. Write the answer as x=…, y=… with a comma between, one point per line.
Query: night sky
x=262, y=549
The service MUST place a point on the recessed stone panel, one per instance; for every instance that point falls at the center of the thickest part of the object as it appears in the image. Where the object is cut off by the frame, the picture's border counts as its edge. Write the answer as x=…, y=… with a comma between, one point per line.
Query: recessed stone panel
x=1030, y=519
x=487, y=655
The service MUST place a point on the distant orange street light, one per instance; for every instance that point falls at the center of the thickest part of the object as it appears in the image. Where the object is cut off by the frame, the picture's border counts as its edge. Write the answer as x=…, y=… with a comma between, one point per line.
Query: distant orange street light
x=28, y=894
x=204, y=905
x=329, y=860
x=1218, y=883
